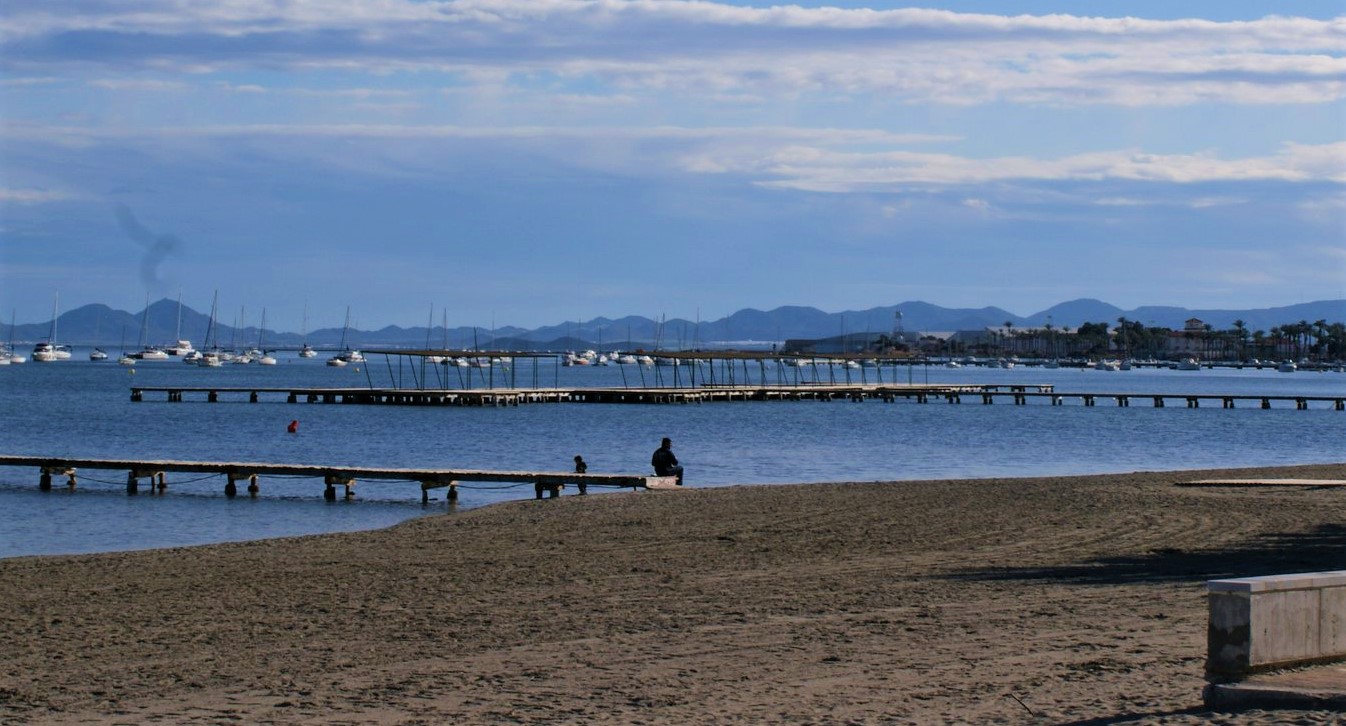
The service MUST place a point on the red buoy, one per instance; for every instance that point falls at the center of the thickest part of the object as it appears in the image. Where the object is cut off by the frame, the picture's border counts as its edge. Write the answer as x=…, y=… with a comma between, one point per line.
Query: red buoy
x=293, y=427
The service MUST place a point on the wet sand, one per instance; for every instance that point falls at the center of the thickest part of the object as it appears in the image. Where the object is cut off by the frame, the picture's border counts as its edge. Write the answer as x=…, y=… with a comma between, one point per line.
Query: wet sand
x=1056, y=600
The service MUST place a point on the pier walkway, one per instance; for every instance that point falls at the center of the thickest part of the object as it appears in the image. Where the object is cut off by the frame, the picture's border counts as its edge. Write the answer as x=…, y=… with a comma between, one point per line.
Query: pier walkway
x=332, y=476
x=1017, y=394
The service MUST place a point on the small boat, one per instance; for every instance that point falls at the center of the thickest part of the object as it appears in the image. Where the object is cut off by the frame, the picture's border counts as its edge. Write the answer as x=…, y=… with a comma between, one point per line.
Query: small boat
x=180, y=349
x=210, y=358
x=1107, y=365
x=151, y=353
x=1187, y=364
x=306, y=350
x=97, y=354
x=1287, y=366
x=147, y=351
x=48, y=351
x=346, y=355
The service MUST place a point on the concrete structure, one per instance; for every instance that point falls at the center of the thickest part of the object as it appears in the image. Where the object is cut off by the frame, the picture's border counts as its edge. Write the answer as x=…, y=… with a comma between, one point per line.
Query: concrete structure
x=1264, y=623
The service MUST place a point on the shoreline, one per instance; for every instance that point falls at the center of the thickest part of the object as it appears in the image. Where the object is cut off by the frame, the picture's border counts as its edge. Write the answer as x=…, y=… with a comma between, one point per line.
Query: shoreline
x=1067, y=597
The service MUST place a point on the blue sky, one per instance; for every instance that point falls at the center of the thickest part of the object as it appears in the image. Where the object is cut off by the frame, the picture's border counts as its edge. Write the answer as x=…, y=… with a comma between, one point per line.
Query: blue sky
x=529, y=162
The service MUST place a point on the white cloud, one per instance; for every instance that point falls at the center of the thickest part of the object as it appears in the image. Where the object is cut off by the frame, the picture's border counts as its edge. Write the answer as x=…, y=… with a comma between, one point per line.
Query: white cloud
x=137, y=84
x=699, y=48
x=816, y=169
x=30, y=196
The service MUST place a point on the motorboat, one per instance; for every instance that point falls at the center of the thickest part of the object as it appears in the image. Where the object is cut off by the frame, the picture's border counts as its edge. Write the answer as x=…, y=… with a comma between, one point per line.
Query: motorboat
x=1287, y=366
x=1187, y=364
x=97, y=354
x=47, y=352
x=180, y=349
x=1107, y=365
x=307, y=351
x=150, y=352
x=344, y=357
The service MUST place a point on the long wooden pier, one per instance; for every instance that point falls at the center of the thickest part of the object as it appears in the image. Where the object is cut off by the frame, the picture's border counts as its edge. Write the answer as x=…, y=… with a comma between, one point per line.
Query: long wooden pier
x=1018, y=394
x=332, y=476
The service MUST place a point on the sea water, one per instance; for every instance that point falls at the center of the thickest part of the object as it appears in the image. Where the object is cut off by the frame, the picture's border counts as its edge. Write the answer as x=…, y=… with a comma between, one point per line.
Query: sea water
x=82, y=409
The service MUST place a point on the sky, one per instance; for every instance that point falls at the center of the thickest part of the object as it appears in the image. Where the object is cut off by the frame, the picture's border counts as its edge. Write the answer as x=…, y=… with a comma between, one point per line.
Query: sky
x=531, y=162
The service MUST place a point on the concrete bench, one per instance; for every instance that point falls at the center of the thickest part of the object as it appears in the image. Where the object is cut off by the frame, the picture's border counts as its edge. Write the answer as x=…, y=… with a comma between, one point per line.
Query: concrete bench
x=1279, y=621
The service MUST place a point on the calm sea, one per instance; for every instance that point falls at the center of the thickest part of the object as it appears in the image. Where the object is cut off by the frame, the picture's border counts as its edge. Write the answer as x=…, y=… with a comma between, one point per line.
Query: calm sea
x=78, y=408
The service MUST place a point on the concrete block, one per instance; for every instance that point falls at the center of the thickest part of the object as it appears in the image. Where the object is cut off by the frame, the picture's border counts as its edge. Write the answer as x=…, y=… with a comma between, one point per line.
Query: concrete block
x=1332, y=621
x=1284, y=627
x=1260, y=623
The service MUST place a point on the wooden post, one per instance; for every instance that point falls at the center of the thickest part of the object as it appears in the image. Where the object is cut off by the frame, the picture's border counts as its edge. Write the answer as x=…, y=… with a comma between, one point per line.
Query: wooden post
x=132, y=483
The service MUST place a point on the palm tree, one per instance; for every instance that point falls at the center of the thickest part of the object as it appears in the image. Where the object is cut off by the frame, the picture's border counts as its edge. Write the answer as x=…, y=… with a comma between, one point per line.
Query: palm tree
x=1241, y=331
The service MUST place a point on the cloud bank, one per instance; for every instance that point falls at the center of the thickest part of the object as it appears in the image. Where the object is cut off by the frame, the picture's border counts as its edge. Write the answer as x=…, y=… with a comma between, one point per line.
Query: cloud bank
x=698, y=48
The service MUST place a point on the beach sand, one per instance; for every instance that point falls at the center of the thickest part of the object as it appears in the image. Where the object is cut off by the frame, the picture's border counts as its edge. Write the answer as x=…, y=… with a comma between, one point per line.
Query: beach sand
x=1052, y=600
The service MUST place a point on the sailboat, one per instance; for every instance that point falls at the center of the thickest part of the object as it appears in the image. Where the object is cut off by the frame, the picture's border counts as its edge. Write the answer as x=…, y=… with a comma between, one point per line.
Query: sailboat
x=260, y=355
x=181, y=347
x=48, y=351
x=125, y=359
x=8, y=355
x=147, y=351
x=306, y=350
x=346, y=355
x=97, y=354
x=209, y=358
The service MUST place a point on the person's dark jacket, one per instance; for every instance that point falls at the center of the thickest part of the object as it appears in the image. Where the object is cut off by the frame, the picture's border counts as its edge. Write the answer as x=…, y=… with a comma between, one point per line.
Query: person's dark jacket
x=663, y=461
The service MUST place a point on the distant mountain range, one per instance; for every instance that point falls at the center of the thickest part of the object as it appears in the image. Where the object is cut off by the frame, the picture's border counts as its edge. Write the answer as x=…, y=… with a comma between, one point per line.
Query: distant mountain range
x=101, y=325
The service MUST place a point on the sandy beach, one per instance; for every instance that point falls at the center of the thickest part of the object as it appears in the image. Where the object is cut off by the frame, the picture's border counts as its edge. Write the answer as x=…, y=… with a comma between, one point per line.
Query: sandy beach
x=1053, y=600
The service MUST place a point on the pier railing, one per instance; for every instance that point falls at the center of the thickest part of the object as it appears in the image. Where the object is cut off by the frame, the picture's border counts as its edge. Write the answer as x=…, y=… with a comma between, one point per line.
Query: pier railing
x=1018, y=394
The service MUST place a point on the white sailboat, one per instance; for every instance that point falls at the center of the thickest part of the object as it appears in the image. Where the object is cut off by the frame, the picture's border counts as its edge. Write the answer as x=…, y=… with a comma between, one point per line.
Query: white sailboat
x=346, y=355
x=306, y=350
x=209, y=358
x=48, y=351
x=7, y=354
x=259, y=354
x=181, y=347
x=147, y=351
